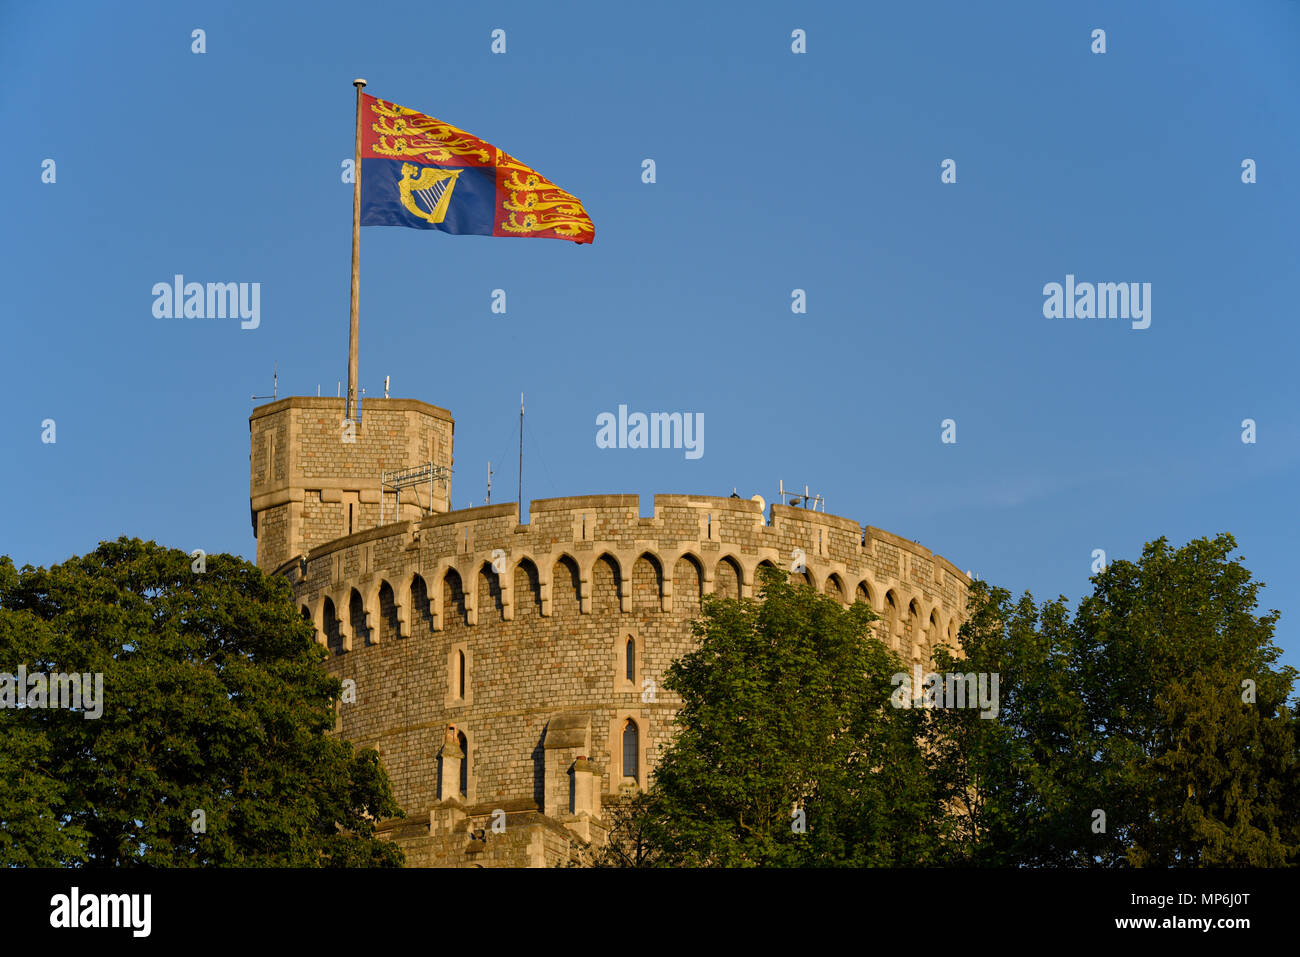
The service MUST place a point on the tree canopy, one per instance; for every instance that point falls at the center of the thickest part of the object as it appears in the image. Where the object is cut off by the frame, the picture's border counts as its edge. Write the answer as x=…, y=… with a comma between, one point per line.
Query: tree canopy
x=213, y=744
x=788, y=752
x=1151, y=727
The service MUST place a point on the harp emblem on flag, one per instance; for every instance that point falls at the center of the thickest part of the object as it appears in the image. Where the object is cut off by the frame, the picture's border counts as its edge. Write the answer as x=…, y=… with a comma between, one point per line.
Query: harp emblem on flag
x=426, y=193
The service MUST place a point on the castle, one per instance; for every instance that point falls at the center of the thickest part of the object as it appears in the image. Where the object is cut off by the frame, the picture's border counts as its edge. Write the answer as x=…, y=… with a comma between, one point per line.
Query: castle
x=509, y=674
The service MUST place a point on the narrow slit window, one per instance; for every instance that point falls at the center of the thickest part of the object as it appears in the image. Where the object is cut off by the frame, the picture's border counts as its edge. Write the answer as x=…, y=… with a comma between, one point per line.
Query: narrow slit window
x=631, y=747
x=630, y=655
x=464, y=762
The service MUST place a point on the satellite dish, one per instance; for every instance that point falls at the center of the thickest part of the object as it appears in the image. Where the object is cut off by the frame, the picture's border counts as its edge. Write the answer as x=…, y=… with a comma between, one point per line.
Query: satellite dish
x=762, y=505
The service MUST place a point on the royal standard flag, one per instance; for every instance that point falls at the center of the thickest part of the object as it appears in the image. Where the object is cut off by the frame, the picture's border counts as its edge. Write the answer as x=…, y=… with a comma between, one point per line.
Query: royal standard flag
x=420, y=172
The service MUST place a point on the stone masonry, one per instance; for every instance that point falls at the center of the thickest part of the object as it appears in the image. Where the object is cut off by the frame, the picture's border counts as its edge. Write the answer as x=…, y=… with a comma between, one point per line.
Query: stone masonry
x=510, y=675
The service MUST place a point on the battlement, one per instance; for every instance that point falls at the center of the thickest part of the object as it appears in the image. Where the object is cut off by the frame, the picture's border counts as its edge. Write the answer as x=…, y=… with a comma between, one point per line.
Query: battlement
x=725, y=539
x=613, y=523
x=315, y=477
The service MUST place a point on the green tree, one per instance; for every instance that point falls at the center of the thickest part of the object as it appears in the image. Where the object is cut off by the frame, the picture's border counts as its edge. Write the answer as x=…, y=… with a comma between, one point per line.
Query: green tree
x=214, y=700
x=1017, y=779
x=1197, y=774
x=1137, y=708
x=788, y=751
x=636, y=836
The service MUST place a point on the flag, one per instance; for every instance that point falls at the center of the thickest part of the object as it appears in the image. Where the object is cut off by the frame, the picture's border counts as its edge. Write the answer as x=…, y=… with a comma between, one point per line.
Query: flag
x=421, y=172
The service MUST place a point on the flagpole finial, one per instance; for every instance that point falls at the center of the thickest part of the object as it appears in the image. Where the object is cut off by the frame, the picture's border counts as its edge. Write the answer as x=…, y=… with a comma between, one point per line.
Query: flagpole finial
x=359, y=82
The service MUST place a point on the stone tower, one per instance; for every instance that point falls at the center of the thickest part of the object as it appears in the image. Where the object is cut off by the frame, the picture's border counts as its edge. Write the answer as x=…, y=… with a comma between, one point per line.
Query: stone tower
x=314, y=478
x=510, y=674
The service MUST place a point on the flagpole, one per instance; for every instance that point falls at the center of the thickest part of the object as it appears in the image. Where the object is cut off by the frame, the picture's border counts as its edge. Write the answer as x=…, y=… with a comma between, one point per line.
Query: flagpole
x=521, y=456
x=350, y=410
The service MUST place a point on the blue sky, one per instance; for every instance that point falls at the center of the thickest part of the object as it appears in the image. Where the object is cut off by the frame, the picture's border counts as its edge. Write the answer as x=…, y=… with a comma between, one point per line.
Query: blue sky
x=775, y=171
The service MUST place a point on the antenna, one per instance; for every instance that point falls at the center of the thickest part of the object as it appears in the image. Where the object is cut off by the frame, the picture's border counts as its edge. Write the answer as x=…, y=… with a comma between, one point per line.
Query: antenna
x=275, y=385
x=396, y=481
x=488, y=500
x=386, y=387
x=796, y=499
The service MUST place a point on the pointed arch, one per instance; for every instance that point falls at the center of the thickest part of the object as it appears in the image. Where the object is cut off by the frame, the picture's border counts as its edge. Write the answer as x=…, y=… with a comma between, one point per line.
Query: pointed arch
x=606, y=585
x=358, y=618
x=455, y=611
x=528, y=590
x=688, y=584
x=389, y=625
x=804, y=577
x=891, y=617
x=727, y=578
x=490, y=598
x=421, y=615
x=647, y=583
x=912, y=633
x=631, y=748
x=333, y=635
x=566, y=586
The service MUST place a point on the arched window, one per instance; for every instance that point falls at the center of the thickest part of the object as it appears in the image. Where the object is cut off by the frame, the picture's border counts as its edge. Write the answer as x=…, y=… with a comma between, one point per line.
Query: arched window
x=464, y=761
x=631, y=748
x=459, y=689
x=630, y=663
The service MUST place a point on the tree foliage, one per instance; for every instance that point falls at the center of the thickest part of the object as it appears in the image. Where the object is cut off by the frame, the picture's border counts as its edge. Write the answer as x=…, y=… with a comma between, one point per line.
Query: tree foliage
x=1152, y=727
x=214, y=700
x=788, y=752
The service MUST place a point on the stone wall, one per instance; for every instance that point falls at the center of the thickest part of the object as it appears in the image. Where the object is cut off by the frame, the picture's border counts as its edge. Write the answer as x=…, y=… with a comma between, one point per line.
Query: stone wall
x=544, y=632
x=318, y=477
x=489, y=658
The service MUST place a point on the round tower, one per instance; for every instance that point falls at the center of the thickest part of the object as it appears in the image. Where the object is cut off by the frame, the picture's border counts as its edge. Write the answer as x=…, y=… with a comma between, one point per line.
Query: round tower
x=511, y=676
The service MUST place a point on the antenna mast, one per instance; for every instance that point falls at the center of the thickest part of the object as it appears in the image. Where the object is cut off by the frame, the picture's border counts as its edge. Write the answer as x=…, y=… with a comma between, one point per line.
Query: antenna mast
x=275, y=385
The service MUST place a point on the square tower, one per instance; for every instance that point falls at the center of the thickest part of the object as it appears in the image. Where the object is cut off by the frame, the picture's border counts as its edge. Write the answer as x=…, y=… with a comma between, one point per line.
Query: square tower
x=314, y=478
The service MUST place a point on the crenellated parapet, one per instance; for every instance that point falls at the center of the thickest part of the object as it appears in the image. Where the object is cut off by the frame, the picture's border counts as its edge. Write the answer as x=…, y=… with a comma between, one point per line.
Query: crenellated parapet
x=725, y=539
